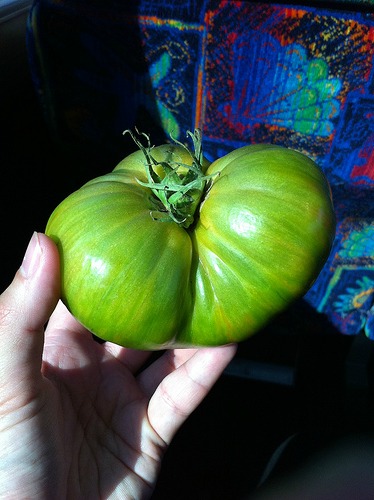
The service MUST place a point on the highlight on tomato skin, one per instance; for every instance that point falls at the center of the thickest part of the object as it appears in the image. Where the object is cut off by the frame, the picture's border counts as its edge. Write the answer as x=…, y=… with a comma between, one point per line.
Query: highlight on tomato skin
x=168, y=250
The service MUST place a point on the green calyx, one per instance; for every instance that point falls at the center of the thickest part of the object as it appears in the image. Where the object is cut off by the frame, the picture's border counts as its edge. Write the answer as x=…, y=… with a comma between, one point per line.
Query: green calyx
x=178, y=187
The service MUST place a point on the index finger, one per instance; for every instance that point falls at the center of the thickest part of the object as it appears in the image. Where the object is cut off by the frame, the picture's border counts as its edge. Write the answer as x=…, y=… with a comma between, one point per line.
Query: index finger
x=180, y=392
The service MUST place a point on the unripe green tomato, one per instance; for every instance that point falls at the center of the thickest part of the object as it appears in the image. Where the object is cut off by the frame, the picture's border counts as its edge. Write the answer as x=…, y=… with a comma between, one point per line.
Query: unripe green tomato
x=149, y=276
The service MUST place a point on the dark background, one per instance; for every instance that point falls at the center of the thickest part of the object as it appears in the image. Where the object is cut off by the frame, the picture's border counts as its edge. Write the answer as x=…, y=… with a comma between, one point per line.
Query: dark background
x=36, y=174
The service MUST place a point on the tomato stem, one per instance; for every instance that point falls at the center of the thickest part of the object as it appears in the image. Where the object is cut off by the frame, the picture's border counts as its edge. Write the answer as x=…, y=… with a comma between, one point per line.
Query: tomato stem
x=180, y=186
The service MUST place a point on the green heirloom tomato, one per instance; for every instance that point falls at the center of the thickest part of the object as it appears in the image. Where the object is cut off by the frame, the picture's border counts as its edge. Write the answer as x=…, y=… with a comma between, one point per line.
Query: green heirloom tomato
x=169, y=251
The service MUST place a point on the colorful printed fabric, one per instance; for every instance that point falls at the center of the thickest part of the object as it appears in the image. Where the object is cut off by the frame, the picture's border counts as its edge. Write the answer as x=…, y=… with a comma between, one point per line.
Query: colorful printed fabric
x=299, y=76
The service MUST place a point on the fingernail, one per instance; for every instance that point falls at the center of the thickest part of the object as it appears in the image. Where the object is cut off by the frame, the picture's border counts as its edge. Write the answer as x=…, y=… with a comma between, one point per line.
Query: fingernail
x=32, y=257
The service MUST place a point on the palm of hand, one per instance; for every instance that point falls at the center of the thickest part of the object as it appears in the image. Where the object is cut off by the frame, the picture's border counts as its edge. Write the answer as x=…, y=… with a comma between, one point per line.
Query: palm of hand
x=91, y=413
x=79, y=419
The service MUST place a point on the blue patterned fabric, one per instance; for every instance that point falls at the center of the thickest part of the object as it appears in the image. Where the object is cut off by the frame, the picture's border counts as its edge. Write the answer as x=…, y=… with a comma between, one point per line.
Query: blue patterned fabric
x=299, y=76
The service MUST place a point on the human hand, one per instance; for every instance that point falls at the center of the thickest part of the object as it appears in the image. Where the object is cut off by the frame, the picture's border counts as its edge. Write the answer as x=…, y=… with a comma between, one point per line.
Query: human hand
x=80, y=419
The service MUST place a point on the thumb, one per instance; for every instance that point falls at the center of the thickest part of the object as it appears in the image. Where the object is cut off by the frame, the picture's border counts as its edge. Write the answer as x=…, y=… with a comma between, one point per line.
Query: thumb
x=25, y=307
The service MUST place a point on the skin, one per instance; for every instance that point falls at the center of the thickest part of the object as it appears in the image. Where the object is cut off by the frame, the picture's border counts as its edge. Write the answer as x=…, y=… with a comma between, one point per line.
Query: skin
x=79, y=419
